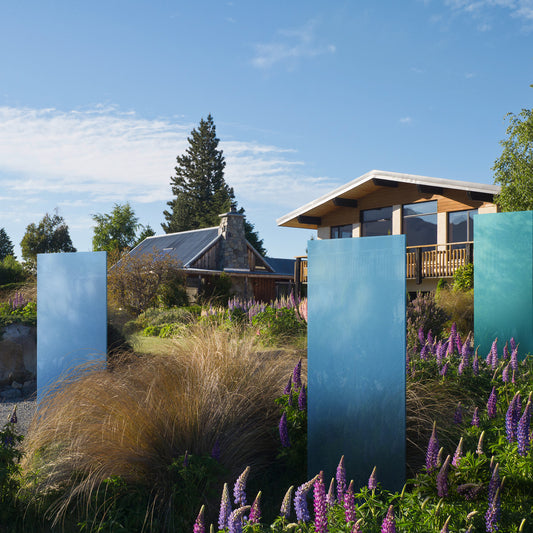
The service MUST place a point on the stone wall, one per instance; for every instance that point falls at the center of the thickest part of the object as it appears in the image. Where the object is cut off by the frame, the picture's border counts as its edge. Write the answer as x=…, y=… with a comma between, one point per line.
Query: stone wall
x=234, y=250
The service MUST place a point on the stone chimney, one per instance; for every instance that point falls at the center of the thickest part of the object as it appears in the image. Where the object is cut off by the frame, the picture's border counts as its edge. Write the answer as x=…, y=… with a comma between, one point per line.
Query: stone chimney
x=234, y=252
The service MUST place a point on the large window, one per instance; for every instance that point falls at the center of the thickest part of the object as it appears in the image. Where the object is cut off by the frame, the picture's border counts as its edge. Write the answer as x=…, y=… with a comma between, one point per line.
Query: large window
x=461, y=226
x=420, y=223
x=341, y=232
x=376, y=222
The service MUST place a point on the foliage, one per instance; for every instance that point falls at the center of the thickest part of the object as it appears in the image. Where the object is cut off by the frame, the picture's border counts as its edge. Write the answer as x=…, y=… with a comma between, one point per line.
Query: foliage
x=116, y=230
x=173, y=293
x=200, y=191
x=146, y=231
x=463, y=278
x=513, y=170
x=6, y=246
x=50, y=235
x=279, y=323
x=459, y=306
x=135, y=281
x=216, y=290
x=10, y=455
x=11, y=271
x=423, y=312
x=18, y=311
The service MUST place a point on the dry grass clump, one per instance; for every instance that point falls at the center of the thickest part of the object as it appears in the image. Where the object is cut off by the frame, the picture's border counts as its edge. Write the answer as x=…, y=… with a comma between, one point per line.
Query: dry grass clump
x=459, y=306
x=134, y=419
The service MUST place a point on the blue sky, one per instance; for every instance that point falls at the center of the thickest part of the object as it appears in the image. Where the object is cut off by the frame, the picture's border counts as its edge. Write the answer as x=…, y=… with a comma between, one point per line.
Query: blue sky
x=97, y=99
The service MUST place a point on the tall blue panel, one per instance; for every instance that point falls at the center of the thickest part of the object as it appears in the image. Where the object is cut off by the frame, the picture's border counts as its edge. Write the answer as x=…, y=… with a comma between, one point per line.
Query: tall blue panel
x=356, y=358
x=71, y=312
x=503, y=280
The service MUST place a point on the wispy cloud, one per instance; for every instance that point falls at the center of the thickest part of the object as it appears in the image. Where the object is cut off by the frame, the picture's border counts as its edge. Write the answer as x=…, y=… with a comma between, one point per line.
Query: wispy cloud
x=97, y=155
x=406, y=120
x=291, y=45
x=517, y=8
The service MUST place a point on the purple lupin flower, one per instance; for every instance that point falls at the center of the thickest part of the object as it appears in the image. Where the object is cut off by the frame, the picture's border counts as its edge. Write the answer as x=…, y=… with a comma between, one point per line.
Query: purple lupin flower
x=457, y=456
x=349, y=503
x=225, y=508
x=199, y=526
x=444, y=369
x=439, y=353
x=433, y=450
x=330, y=498
x=236, y=518
x=445, y=528
x=475, y=364
x=458, y=344
x=285, y=509
x=287, y=389
x=506, y=352
x=341, y=480
x=458, y=415
x=372, y=480
x=512, y=344
x=505, y=374
x=494, y=354
x=300, y=500
x=442, y=479
x=492, y=516
x=475, y=417
x=320, y=505
x=389, y=523
x=494, y=483
x=514, y=359
x=424, y=352
x=451, y=345
x=522, y=432
x=421, y=336
x=491, y=403
x=429, y=338
x=13, y=418
x=284, y=431
x=302, y=399
x=357, y=526
x=239, y=488
x=255, y=511
x=510, y=428
x=297, y=374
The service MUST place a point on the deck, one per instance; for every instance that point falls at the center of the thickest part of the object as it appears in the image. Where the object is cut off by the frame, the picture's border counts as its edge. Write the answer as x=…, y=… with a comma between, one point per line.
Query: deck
x=434, y=261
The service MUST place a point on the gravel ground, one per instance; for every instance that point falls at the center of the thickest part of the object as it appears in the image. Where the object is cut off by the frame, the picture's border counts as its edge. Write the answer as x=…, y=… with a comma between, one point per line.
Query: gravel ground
x=25, y=411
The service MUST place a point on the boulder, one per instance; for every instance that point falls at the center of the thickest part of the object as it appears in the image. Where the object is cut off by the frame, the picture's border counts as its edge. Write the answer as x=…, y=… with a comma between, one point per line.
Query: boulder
x=18, y=354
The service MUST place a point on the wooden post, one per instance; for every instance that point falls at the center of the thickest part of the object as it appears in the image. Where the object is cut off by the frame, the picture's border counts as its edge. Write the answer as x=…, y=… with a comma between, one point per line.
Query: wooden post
x=418, y=265
x=469, y=253
x=297, y=270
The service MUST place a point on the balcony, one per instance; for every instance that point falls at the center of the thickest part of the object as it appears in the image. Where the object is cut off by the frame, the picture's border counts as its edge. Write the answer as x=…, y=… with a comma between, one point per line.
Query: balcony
x=434, y=261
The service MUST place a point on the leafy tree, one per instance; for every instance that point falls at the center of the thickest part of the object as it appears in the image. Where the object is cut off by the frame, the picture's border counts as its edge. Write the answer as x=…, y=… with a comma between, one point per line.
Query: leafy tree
x=513, y=170
x=6, y=246
x=116, y=230
x=145, y=233
x=135, y=281
x=49, y=235
x=200, y=190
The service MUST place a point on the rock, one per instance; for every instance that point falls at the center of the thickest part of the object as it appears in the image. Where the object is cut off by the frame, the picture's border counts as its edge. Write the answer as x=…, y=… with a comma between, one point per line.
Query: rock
x=10, y=394
x=18, y=354
x=16, y=385
x=29, y=387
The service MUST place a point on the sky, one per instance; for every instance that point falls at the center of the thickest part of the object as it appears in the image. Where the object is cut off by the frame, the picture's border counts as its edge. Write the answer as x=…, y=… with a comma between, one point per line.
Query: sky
x=97, y=100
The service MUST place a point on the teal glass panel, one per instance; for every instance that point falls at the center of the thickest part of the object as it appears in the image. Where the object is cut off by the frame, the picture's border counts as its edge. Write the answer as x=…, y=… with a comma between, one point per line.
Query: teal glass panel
x=356, y=358
x=503, y=283
x=71, y=313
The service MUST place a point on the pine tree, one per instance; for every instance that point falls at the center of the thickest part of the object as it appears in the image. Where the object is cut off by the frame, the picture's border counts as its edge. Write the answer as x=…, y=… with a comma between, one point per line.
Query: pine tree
x=200, y=191
x=6, y=246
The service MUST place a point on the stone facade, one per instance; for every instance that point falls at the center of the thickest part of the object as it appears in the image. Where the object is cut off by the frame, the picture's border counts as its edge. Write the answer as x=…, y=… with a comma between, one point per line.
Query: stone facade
x=234, y=251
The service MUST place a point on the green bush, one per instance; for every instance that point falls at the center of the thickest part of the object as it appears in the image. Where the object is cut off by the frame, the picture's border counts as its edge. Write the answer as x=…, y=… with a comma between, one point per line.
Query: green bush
x=423, y=312
x=11, y=271
x=173, y=293
x=26, y=314
x=279, y=323
x=463, y=278
x=216, y=290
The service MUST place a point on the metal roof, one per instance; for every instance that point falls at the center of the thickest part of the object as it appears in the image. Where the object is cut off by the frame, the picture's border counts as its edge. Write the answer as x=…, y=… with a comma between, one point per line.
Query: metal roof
x=185, y=246
x=281, y=266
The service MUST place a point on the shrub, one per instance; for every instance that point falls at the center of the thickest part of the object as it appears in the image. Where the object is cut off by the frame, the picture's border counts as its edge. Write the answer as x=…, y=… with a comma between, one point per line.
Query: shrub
x=459, y=306
x=279, y=323
x=216, y=290
x=423, y=312
x=173, y=293
x=463, y=278
x=11, y=271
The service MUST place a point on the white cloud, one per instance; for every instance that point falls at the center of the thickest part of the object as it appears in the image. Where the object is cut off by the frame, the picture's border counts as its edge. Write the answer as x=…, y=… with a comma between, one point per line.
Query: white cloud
x=406, y=120
x=290, y=45
x=517, y=8
x=102, y=155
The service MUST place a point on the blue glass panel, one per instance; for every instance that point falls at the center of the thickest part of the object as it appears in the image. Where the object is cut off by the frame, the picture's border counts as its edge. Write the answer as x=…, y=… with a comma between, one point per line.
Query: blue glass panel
x=503, y=283
x=356, y=358
x=71, y=312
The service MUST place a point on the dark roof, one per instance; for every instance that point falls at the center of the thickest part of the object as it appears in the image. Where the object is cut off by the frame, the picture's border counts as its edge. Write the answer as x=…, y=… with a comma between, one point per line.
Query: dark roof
x=281, y=266
x=184, y=246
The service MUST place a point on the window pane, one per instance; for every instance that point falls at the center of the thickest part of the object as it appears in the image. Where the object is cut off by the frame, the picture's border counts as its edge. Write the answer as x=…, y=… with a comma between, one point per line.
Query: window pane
x=458, y=226
x=370, y=215
x=420, y=230
x=341, y=232
x=420, y=208
x=375, y=222
x=471, y=214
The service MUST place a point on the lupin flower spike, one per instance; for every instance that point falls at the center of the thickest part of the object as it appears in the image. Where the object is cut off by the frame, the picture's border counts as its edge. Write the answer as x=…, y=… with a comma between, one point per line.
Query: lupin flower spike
x=372, y=480
x=458, y=453
x=349, y=503
x=300, y=500
x=285, y=510
x=475, y=417
x=389, y=523
x=225, y=508
x=491, y=404
x=255, y=511
x=320, y=505
x=433, y=450
x=330, y=498
x=199, y=526
x=341, y=480
x=284, y=431
x=522, y=431
x=13, y=419
x=442, y=479
x=479, y=449
x=287, y=389
x=302, y=399
x=475, y=364
x=492, y=516
x=239, y=493
x=297, y=374
x=235, y=519
x=357, y=526
x=445, y=528
x=505, y=373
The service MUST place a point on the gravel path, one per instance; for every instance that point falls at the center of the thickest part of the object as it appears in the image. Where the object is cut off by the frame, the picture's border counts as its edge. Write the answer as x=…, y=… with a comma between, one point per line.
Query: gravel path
x=25, y=411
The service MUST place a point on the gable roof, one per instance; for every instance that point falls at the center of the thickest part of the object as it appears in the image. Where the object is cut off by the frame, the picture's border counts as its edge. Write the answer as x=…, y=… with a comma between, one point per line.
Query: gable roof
x=185, y=246
x=368, y=183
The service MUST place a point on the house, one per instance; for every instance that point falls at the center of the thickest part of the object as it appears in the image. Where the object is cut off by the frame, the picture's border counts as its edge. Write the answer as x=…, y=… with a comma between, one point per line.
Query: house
x=436, y=216
x=208, y=252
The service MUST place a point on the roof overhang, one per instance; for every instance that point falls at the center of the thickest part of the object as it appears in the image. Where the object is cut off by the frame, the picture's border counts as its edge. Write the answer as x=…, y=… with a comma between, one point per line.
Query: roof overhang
x=309, y=215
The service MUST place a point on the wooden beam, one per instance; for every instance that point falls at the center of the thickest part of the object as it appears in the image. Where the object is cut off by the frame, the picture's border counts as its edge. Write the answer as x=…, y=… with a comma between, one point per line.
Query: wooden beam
x=384, y=183
x=480, y=196
x=304, y=219
x=428, y=189
x=344, y=202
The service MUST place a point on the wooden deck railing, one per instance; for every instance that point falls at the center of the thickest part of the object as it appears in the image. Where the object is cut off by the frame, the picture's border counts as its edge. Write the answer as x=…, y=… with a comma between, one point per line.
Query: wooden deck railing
x=434, y=261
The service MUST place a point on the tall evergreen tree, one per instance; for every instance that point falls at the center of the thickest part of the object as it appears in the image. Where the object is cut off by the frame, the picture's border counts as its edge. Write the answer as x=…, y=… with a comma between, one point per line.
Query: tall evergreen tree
x=200, y=191
x=6, y=246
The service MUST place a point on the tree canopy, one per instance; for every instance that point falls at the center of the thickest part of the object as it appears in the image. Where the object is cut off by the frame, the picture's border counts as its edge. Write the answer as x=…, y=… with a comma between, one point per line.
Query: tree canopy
x=116, y=230
x=513, y=170
x=6, y=246
x=50, y=235
x=200, y=191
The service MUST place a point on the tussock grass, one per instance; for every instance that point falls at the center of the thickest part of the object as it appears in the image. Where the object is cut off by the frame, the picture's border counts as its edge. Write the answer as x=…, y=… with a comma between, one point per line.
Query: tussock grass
x=459, y=306
x=133, y=419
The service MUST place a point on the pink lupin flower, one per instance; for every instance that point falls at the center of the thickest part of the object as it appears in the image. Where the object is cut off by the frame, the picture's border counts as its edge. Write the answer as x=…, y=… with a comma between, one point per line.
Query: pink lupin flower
x=320, y=505
x=389, y=523
x=199, y=526
x=341, y=480
x=349, y=503
x=255, y=511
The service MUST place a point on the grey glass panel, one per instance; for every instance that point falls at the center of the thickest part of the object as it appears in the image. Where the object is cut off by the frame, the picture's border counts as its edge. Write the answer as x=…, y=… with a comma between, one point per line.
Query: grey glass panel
x=420, y=230
x=71, y=312
x=356, y=357
x=341, y=232
x=420, y=208
x=381, y=213
x=460, y=226
x=503, y=283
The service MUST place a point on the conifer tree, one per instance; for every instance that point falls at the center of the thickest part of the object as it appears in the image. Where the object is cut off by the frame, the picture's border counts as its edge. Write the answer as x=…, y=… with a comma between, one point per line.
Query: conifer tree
x=200, y=191
x=6, y=246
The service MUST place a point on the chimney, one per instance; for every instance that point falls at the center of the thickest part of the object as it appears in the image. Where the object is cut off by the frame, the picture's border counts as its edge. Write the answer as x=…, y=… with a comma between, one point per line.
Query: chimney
x=234, y=253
